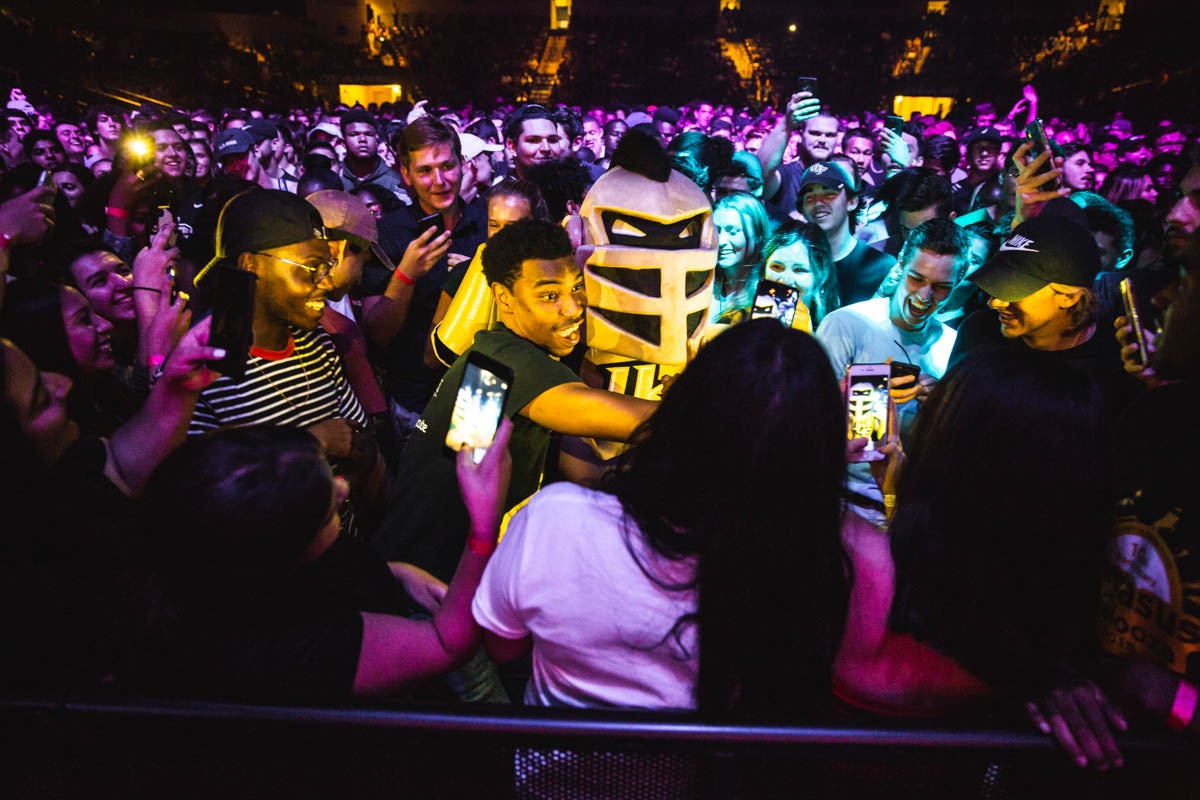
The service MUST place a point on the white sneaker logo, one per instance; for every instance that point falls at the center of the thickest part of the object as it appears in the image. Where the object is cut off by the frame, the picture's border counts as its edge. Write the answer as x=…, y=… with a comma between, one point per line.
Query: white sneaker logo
x=1020, y=244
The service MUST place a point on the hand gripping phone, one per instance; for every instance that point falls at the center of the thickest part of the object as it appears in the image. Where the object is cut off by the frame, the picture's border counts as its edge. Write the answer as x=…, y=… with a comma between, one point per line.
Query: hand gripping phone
x=1036, y=133
x=1129, y=300
x=867, y=406
x=478, y=405
x=232, y=318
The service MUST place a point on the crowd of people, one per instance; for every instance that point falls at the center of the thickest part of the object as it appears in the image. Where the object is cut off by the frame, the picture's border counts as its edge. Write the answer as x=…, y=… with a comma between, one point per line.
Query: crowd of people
x=232, y=340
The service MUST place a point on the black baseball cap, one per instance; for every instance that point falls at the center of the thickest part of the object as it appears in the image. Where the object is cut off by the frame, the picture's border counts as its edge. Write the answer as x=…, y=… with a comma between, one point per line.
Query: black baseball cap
x=1050, y=248
x=263, y=219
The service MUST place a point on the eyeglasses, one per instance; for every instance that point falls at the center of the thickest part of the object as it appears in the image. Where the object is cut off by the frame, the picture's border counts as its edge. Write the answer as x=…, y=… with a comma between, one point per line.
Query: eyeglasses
x=317, y=273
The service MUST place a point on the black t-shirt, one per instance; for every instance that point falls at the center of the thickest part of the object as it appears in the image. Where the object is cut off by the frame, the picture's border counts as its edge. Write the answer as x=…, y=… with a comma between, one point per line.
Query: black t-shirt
x=405, y=376
x=1099, y=357
x=860, y=273
x=427, y=522
x=298, y=638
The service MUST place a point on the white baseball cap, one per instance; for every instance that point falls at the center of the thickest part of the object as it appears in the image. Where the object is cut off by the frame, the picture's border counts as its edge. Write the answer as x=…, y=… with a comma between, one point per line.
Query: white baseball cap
x=472, y=146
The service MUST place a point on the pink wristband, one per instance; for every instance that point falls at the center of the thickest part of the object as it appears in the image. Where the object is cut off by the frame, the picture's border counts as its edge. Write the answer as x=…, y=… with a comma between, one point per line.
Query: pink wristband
x=119, y=213
x=404, y=278
x=156, y=360
x=6, y=242
x=1183, y=708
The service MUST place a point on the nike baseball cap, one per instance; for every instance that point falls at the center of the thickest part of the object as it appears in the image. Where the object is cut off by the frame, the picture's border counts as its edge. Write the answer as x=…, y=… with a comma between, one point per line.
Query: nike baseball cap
x=1046, y=249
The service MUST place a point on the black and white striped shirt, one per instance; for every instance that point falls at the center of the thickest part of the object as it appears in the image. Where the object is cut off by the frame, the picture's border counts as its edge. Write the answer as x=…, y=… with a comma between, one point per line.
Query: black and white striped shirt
x=300, y=385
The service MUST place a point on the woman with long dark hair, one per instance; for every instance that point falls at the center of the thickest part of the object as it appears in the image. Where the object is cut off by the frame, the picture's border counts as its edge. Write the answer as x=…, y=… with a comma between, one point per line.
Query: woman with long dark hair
x=1001, y=513
x=710, y=571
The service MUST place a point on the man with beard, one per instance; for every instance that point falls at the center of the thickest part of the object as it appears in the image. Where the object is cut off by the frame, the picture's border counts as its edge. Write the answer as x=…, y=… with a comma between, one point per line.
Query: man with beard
x=538, y=289
x=818, y=138
x=1149, y=611
x=532, y=136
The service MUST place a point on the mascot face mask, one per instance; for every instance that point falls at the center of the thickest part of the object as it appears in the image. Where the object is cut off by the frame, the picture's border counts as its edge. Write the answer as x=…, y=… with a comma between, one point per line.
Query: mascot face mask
x=648, y=256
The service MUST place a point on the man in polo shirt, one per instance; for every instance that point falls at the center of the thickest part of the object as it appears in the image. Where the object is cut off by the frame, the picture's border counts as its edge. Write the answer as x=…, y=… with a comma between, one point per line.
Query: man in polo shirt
x=398, y=306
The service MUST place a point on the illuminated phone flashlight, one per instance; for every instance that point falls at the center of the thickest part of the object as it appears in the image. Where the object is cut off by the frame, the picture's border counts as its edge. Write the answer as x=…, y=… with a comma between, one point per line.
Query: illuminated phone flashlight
x=138, y=148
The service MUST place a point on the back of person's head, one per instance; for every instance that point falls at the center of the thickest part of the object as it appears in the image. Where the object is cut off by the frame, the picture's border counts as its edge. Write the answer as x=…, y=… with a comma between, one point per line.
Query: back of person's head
x=701, y=157
x=523, y=190
x=702, y=480
x=32, y=317
x=917, y=188
x=1125, y=182
x=426, y=131
x=314, y=180
x=234, y=510
x=1106, y=217
x=941, y=152
x=563, y=183
x=521, y=241
x=1034, y=432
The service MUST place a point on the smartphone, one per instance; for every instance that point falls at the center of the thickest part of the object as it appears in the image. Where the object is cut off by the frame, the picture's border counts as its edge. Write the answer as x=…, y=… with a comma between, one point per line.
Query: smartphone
x=232, y=318
x=1129, y=300
x=806, y=83
x=900, y=368
x=433, y=220
x=775, y=300
x=894, y=123
x=478, y=405
x=1035, y=132
x=164, y=216
x=867, y=406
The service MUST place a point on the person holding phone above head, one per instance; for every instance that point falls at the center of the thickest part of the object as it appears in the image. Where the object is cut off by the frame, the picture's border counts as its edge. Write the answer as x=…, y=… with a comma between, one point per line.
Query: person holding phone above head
x=538, y=291
x=818, y=135
x=399, y=306
x=290, y=374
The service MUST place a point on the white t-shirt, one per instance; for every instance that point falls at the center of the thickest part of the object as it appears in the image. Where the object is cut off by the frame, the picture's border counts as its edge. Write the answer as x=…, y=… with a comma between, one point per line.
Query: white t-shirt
x=602, y=630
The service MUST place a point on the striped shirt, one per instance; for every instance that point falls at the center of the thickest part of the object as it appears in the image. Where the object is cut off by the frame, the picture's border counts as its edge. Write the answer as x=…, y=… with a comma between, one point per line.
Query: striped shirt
x=300, y=385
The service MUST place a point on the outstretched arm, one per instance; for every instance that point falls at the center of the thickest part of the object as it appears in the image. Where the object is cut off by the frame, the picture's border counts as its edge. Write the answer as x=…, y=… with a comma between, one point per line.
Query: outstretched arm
x=395, y=649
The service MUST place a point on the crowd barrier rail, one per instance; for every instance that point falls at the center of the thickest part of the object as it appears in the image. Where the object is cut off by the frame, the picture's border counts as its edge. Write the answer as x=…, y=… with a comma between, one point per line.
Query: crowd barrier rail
x=135, y=747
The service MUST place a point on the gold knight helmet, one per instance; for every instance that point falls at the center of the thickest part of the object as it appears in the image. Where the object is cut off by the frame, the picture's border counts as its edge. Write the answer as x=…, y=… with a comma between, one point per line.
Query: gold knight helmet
x=648, y=254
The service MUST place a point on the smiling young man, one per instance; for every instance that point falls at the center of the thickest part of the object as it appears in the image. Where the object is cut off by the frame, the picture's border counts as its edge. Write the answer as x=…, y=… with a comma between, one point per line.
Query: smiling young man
x=399, y=305
x=904, y=328
x=1040, y=284
x=540, y=301
x=828, y=198
x=293, y=375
